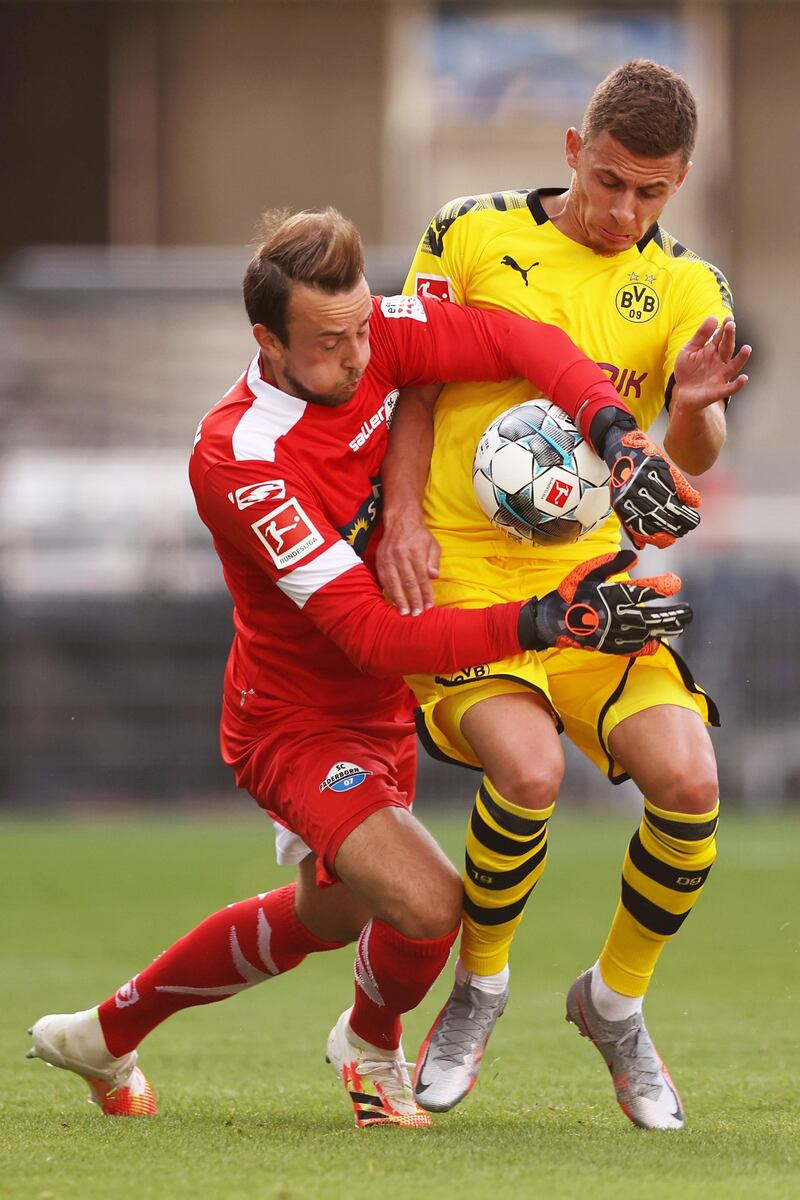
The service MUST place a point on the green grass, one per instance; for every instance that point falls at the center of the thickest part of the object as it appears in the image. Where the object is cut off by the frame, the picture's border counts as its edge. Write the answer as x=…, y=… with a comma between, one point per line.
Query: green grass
x=248, y=1108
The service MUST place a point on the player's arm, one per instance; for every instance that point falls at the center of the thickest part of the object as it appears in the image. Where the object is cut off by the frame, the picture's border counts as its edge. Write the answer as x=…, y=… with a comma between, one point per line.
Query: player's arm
x=589, y=610
x=471, y=344
x=408, y=554
x=707, y=372
x=651, y=498
x=329, y=582
x=702, y=366
x=288, y=536
x=456, y=343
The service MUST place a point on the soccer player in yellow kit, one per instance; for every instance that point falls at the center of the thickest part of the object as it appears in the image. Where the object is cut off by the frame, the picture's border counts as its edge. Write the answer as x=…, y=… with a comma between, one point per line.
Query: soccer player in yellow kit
x=595, y=260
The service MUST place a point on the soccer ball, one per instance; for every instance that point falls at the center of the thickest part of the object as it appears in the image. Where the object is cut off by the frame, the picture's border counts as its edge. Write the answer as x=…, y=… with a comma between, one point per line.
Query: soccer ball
x=537, y=478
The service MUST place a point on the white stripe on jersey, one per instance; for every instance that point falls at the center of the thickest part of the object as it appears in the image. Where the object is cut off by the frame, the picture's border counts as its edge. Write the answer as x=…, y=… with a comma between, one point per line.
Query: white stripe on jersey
x=271, y=415
x=301, y=583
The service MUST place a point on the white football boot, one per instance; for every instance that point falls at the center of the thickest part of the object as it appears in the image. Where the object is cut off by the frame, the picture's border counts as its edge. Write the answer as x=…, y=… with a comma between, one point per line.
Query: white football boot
x=75, y=1042
x=376, y=1080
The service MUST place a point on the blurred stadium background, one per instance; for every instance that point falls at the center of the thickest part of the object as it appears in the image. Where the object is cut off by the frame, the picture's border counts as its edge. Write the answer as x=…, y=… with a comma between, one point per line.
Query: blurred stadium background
x=141, y=141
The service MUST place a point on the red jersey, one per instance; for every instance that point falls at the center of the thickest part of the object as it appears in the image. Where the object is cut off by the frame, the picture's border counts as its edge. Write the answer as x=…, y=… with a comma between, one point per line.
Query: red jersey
x=290, y=491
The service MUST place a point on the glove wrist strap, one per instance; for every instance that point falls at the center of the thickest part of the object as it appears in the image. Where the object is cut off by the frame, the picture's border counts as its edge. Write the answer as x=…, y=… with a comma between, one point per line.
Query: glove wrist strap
x=527, y=631
x=608, y=427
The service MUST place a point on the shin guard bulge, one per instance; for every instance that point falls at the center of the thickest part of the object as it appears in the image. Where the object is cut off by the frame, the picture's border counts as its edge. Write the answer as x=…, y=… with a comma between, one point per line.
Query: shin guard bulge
x=393, y=974
x=505, y=857
x=665, y=868
x=234, y=949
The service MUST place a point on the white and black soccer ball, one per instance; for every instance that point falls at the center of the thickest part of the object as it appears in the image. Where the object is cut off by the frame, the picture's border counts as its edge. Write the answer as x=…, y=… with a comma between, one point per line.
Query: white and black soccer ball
x=537, y=478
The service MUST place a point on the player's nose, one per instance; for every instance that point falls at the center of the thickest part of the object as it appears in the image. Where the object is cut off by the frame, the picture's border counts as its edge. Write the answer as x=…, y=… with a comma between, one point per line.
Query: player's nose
x=624, y=212
x=356, y=356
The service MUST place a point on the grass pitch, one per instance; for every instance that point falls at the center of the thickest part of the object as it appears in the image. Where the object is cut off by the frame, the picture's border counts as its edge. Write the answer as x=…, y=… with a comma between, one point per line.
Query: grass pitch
x=250, y=1110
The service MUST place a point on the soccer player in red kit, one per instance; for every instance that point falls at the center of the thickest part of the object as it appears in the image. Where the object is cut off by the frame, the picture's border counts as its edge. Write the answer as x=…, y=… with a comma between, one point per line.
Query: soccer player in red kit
x=316, y=720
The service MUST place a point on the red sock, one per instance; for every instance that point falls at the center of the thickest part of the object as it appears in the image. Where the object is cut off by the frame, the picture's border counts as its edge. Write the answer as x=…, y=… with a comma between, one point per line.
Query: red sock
x=393, y=974
x=234, y=949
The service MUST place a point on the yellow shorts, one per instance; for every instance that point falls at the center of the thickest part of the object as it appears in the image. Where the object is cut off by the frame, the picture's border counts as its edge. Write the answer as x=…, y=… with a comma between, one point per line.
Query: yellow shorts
x=588, y=693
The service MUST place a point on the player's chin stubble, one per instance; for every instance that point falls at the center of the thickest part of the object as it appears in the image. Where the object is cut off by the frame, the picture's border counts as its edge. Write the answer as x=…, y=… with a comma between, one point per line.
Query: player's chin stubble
x=326, y=399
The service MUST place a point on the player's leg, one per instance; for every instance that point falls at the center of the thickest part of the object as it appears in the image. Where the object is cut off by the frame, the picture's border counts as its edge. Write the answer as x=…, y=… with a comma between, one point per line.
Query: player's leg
x=331, y=913
x=235, y=948
x=649, y=725
x=496, y=717
x=349, y=800
x=241, y=945
x=367, y=839
x=393, y=865
x=513, y=735
x=667, y=752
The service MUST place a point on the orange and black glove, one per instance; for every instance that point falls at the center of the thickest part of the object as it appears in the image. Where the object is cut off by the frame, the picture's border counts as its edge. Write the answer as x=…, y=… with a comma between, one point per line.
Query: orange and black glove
x=592, y=613
x=652, y=499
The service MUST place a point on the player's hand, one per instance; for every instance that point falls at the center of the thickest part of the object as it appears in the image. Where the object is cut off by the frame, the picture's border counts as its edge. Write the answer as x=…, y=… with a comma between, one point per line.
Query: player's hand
x=651, y=497
x=406, y=562
x=590, y=612
x=709, y=367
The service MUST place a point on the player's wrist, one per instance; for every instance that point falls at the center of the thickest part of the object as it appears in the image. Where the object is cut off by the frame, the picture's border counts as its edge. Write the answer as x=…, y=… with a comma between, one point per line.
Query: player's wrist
x=541, y=621
x=403, y=511
x=528, y=633
x=609, y=426
x=680, y=402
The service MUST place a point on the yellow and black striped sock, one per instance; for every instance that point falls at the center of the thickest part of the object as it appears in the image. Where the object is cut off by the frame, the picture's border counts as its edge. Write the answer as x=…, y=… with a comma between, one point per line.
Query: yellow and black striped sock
x=663, y=874
x=506, y=854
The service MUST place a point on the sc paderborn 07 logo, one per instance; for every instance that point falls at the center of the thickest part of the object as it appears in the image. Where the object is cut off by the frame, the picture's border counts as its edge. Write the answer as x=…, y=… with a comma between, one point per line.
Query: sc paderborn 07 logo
x=343, y=777
x=637, y=302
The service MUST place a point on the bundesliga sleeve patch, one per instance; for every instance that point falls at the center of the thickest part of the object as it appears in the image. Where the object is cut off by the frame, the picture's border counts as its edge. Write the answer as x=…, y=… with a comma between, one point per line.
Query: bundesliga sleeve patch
x=343, y=777
x=433, y=287
x=288, y=534
x=404, y=306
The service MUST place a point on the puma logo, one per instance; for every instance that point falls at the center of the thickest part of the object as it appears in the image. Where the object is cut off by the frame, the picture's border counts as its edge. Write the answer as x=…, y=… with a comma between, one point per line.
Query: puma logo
x=508, y=261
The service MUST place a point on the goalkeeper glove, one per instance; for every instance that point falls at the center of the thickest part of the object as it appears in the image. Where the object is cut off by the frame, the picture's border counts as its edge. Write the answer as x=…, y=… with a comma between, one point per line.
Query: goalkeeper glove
x=591, y=613
x=650, y=496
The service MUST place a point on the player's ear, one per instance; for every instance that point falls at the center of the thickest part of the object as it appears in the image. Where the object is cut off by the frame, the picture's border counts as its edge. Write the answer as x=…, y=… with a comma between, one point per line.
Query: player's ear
x=269, y=342
x=572, y=147
x=684, y=172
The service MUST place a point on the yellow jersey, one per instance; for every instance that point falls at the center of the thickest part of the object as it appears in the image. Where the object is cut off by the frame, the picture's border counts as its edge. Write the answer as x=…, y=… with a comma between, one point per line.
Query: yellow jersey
x=632, y=313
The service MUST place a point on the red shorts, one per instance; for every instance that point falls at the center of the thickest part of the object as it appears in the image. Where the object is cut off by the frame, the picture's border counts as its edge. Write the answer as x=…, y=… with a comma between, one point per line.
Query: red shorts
x=323, y=778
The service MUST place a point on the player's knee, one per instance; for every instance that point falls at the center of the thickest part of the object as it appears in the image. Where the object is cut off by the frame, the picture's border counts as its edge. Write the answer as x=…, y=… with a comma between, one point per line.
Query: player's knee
x=333, y=913
x=690, y=788
x=530, y=784
x=432, y=912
